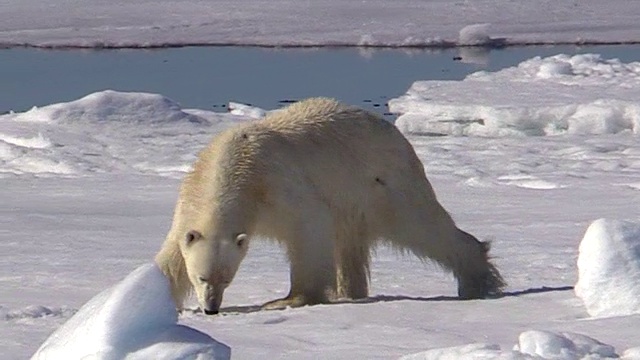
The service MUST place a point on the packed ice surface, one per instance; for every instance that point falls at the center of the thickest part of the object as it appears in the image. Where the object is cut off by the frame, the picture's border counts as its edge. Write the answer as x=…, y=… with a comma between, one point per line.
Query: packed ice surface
x=89, y=186
x=135, y=319
x=580, y=95
x=119, y=23
x=609, y=268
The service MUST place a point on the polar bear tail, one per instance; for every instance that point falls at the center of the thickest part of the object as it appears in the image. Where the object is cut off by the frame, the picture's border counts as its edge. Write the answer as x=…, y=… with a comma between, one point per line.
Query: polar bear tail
x=477, y=276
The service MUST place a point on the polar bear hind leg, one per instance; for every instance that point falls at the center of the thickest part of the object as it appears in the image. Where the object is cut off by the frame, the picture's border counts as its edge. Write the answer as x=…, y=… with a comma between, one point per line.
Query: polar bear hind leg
x=352, y=259
x=437, y=238
x=422, y=226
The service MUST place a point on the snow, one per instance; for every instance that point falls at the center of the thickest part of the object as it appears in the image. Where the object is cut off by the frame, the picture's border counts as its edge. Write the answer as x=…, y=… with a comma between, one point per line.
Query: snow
x=246, y=110
x=435, y=23
x=562, y=346
x=475, y=35
x=532, y=344
x=580, y=94
x=609, y=268
x=135, y=319
x=89, y=186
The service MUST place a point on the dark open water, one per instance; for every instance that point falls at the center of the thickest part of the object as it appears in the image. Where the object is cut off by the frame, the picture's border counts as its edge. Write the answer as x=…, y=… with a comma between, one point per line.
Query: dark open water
x=209, y=77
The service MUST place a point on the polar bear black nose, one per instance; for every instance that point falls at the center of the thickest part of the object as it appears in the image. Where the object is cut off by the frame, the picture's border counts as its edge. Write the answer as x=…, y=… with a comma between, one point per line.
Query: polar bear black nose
x=210, y=312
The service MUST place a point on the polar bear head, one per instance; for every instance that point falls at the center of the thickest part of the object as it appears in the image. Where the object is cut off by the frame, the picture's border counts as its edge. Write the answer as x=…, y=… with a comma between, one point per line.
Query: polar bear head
x=212, y=263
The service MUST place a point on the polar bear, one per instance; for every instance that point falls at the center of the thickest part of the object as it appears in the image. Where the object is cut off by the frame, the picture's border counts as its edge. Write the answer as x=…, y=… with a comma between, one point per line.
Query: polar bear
x=326, y=180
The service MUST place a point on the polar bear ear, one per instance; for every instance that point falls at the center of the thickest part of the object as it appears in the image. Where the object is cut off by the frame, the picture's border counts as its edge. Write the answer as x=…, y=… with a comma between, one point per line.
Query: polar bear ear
x=241, y=240
x=192, y=236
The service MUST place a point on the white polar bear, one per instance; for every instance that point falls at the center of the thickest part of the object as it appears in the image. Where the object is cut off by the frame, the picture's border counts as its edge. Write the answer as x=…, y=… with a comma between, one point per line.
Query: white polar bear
x=329, y=182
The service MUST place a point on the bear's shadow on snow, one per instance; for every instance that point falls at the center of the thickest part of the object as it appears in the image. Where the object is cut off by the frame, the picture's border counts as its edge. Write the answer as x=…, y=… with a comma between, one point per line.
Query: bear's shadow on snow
x=389, y=298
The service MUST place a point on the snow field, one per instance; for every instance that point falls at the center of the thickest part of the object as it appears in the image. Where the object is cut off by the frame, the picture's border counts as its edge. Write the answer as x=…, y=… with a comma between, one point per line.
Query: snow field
x=64, y=168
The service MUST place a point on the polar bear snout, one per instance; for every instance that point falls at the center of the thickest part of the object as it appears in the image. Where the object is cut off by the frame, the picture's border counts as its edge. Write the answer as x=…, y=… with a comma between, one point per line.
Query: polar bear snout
x=212, y=299
x=211, y=312
x=211, y=305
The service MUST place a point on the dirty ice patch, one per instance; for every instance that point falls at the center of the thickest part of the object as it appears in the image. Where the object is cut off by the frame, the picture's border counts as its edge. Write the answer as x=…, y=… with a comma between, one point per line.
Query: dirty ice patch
x=532, y=344
x=562, y=94
x=135, y=319
x=609, y=268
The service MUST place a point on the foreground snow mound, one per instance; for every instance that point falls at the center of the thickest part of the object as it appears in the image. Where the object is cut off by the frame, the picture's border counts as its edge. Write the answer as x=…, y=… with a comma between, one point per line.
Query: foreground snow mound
x=532, y=344
x=109, y=105
x=562, y=94
x=136, y=319
x=609, y=268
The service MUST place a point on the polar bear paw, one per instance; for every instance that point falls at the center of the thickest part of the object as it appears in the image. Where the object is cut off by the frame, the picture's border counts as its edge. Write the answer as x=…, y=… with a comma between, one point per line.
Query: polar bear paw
x=289, y=301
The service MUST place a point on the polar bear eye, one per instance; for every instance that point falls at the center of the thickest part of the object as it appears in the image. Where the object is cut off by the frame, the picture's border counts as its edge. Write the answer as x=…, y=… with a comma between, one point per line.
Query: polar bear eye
x=201, y=279
x=241, y=239
x=192, y=236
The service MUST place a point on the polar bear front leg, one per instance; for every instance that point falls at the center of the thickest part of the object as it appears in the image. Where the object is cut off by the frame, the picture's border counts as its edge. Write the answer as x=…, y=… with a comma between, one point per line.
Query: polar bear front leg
x=313, y=270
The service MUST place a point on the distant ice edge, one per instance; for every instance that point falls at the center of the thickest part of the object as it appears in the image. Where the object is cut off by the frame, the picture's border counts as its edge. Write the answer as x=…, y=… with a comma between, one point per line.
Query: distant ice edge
x=556, y=95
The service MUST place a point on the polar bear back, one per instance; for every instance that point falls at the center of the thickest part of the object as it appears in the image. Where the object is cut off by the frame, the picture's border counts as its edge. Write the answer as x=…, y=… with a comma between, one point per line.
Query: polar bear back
x=318, y=149
x=337, y=140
